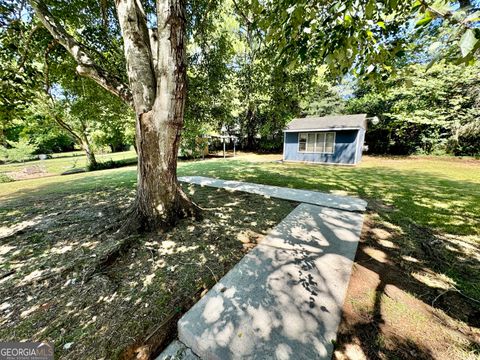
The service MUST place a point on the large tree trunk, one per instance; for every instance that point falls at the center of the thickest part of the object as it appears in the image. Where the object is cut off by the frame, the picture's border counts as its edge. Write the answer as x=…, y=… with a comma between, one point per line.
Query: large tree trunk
x=156, y=65
x=160, y=201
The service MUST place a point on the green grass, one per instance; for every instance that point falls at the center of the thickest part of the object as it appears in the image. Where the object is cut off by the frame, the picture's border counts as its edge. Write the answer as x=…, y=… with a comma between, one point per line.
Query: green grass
x=429, y=200
x=67, y=161
x=68, y=184
x=56, y=226
x=439, y=193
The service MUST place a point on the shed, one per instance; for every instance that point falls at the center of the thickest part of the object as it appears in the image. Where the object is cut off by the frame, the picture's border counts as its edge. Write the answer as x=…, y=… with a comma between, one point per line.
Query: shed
x=334, y=139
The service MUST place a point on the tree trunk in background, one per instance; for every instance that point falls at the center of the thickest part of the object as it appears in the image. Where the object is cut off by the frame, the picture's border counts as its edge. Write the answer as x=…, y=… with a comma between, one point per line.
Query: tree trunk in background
x=251, y=130
x=80, y=136
x=91, y=160
x=156, y=65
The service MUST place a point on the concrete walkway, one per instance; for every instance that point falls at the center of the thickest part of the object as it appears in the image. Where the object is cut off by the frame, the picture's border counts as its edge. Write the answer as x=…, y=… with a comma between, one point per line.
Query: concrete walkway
x=305, y=196
x=177, y=351
x=283, y=300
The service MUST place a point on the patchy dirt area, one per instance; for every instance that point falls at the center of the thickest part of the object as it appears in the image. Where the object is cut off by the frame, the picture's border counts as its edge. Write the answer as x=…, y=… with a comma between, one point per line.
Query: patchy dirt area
x=51, y=288
x=28, y=172
x=400, y=304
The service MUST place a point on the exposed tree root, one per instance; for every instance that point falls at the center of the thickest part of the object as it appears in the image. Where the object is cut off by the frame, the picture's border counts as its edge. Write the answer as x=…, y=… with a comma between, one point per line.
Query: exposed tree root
x=120, y=248
x=7, y=274
x=137, y=222
x=128, y=234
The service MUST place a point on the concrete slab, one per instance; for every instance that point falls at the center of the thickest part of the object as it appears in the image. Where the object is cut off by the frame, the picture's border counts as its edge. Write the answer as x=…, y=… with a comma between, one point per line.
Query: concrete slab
x=305, y=196
x=177, y=351
x=283, y=300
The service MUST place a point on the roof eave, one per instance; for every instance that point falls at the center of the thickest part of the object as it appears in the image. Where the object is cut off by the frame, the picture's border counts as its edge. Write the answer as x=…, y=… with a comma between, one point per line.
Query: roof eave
x=325, y=129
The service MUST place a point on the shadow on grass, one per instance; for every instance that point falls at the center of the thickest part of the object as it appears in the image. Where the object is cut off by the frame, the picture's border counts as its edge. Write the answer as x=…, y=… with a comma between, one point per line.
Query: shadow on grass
x=413, y=327
x=51, y=237
x=442, y=204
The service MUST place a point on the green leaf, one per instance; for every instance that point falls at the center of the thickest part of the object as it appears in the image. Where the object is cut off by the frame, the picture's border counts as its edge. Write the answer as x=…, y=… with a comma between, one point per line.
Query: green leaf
x=382, y=25
x=434, y=47
x=393, y=4
x=467, y=42
x=292, y=64
x=422, y=22
x=369, y=9
x=441, y=6
x=416, y=5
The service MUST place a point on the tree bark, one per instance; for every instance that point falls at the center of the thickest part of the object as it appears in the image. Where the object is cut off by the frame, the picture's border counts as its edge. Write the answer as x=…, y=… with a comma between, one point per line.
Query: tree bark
x=91, y=160
x=156, y=65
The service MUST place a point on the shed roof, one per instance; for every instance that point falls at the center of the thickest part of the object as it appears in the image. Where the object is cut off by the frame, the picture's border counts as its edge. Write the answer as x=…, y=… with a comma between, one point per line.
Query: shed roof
x=337, y=122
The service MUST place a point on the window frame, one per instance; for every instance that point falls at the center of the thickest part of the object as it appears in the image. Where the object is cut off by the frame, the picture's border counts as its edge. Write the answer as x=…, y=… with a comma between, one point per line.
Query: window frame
x=298, y=142
x=325, y=134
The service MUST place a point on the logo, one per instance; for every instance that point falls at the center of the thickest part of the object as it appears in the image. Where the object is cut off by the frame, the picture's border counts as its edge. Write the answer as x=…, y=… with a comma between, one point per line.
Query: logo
x=26, y=351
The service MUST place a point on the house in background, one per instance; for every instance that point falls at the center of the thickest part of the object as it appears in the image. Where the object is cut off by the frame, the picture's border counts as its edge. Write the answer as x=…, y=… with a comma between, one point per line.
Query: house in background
x=336, y=139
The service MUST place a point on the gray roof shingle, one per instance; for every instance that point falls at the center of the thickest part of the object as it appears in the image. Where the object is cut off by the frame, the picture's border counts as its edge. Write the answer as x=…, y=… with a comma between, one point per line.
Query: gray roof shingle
x=337, y=122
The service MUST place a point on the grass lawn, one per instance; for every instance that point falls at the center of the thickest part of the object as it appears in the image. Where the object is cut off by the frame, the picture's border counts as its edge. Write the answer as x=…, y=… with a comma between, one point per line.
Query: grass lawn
x=414, y=291
x=62, y=162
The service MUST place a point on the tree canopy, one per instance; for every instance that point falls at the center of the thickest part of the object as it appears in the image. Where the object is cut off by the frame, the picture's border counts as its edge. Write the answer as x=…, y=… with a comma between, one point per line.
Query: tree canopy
x=369, y=37
x=252, y=65
x=424, y=110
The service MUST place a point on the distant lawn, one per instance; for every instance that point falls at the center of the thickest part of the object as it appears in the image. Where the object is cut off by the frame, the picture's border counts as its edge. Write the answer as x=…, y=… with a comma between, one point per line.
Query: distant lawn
x=439, y=193
x=421, y=235
x=62, y=162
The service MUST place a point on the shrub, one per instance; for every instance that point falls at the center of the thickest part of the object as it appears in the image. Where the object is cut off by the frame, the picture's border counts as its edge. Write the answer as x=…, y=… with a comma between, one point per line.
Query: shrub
x=111, y=164
x=4, y=178
x=18, y=151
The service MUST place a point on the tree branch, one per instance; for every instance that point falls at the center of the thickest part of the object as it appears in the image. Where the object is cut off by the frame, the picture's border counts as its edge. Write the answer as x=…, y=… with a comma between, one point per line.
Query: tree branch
x=445, y=15
x=52, y=111
x=138, y=53
x=85, y=64
x=23, y=57
x=242, y=13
